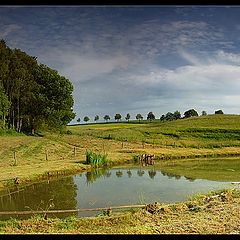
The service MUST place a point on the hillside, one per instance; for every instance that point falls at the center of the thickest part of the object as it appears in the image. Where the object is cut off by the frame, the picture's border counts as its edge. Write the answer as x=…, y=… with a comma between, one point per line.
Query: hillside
x=206, y=136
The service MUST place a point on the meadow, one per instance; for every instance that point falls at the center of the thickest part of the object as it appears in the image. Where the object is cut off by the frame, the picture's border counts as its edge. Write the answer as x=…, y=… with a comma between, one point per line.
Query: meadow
x=178, y=146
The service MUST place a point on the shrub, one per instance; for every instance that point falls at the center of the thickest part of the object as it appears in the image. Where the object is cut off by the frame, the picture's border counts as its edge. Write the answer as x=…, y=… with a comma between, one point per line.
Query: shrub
x=95, y=159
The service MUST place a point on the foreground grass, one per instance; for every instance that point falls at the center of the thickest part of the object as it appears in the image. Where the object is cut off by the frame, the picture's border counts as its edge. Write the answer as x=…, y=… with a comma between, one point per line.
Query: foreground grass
x=215, y=213
x=173, y=143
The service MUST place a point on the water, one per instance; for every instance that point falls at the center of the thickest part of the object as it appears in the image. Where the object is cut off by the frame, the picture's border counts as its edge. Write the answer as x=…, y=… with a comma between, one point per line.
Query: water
x=105, y=188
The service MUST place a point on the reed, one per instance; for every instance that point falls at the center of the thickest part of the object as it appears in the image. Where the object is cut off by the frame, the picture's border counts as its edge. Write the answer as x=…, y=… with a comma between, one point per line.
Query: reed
x=96, y=159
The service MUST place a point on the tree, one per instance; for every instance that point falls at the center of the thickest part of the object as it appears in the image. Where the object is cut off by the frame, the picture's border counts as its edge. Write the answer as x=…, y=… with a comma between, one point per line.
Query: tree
x=190, y=113
x=4, y=107
x=176, y=115
x=169, y=116
x=162, y=118
x=219, y=112
x=118, y=117
x=37, y=95
x=96, y=118
x=106, y=118
x=204, y=113
x=86, y=119
x=139, y=117
x=127, y=117
x=150, y=116
x=78, y=120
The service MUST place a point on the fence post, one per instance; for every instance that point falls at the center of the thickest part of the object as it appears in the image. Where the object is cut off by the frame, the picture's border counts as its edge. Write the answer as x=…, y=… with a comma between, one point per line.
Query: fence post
x=74, y=151
x=15, y=158
x=46, y=153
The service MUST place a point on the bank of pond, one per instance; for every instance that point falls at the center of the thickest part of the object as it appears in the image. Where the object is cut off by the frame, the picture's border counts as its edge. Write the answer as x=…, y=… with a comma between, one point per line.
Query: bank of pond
x=104, y=188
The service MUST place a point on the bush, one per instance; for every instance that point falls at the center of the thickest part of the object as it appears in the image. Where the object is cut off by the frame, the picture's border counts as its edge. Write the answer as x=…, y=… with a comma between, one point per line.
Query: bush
x=219, y=112
x=95, y=159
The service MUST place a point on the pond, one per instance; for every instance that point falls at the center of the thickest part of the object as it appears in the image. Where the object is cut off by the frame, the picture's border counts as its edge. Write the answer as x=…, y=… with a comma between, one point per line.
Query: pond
x=105, y=188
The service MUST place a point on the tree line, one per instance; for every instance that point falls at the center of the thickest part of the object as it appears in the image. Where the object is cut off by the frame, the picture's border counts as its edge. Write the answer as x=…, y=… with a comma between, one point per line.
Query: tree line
x=169, y=116
x=32, y=95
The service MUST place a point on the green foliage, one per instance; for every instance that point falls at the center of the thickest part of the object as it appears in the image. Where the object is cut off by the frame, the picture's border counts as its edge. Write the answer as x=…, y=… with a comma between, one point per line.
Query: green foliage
x=4, y=107
x=86, y=119
x=219, y=112
x=106, y=118
x=139, y=117
x=190, y=113
x=204, y=113
x=78, y=120
x=36, y=94
x=96, y=118
x=127, y=117
x=118, y=116
x=96, y=159
x=150, y=116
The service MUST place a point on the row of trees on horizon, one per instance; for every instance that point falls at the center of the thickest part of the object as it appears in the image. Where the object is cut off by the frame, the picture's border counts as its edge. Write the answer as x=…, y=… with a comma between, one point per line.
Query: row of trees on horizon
x=151, y=116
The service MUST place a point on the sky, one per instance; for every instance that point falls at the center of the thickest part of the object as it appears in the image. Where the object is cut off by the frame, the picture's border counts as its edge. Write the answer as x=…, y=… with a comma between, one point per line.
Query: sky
x=135, y=59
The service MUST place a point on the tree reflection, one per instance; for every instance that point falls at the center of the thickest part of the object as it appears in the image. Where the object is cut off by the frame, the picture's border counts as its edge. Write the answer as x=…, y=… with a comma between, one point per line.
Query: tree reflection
x=152, y=173
x=190, y=179
x=129, y=173
x=170, y=175
x=119, y=173
x=140, y=173
x=60, y=193
x=96, y=173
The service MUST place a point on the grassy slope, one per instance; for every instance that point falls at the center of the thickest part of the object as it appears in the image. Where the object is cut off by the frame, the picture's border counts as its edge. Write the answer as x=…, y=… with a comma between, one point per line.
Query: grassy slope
x=210, y=135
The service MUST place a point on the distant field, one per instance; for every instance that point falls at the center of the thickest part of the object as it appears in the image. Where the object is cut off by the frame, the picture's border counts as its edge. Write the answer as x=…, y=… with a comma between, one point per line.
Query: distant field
x=208, y=136
x=212, y=131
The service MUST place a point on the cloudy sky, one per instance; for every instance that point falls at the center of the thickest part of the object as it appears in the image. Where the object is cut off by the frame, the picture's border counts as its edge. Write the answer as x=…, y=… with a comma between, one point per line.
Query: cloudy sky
x=135, y=59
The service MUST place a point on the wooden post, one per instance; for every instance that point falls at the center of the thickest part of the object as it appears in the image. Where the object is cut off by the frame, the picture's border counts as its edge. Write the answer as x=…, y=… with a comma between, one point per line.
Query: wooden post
x=15, y=158
x=122, y=144
x=46, y=153
x=74, y=151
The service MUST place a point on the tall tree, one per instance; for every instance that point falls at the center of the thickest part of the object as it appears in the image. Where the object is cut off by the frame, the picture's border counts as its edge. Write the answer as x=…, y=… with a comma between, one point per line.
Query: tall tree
x=190, y=113
x=4, y=107
x=37, y=94
x=96, y=118
x=86, y=119
x=127, y=117
x=118, y=116
x=176, y=115
x=106, y=118
x=219, y=112
x=139, y=117
x=150, y=116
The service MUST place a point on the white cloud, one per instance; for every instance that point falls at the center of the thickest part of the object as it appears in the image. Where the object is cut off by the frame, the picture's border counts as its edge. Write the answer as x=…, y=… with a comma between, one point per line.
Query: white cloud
x=5, y=30
x=232, y=58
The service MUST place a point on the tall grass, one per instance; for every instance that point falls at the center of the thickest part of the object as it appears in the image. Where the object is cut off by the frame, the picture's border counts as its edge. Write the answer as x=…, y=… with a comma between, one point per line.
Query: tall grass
x=96, y=159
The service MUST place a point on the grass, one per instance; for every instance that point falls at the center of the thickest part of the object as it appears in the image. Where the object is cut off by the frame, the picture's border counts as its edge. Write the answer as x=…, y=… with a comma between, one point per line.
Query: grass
x=206, y=147
x=205, y=137
x=96, y=159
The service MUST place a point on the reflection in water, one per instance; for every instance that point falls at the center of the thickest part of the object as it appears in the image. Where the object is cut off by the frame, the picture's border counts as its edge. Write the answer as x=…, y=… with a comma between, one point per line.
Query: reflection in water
x=104, y=188
x=129, y=173
x=119, y=173
x=190, y=179
x=152, y=173
x=140, y=173
x=170, y=175
x=55, y=194
x=97, y=173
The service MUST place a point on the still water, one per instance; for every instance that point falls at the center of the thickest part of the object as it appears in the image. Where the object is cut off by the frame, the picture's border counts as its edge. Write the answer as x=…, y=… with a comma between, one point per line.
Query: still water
x=105, y=188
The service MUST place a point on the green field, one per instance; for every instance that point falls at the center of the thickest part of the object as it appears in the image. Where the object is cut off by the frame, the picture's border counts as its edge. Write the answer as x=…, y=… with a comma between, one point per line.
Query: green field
x=197, y=143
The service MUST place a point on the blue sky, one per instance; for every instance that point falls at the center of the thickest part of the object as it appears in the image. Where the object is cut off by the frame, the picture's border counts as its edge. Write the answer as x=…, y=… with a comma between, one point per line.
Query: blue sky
x=135, y=59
